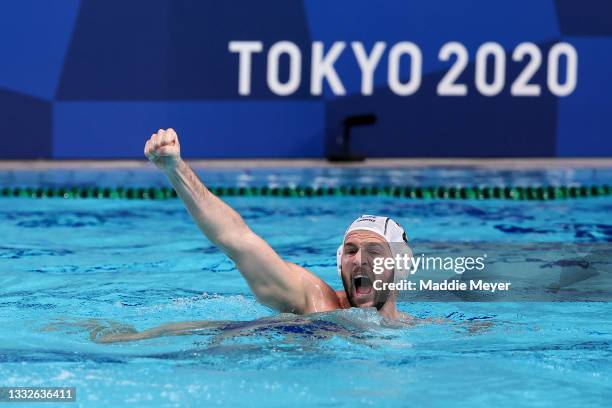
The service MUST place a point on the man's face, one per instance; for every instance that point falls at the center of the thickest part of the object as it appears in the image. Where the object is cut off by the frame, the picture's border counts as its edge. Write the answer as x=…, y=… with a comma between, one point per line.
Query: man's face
x=360, y=250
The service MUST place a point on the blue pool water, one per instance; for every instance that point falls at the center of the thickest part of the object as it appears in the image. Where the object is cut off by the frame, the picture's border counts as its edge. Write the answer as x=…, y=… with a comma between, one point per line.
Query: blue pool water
x=144, y=263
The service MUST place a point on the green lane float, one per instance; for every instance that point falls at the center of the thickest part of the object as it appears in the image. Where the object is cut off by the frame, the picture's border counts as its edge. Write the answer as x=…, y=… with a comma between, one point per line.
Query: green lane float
x=530, y=193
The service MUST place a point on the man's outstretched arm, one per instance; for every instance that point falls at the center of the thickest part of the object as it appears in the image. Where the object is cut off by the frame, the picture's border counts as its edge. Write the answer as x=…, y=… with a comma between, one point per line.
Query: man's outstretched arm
x=275, y=283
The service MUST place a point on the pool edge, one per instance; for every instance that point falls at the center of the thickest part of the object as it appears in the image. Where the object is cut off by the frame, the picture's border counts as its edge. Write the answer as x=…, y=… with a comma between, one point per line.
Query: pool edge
x=502, y=163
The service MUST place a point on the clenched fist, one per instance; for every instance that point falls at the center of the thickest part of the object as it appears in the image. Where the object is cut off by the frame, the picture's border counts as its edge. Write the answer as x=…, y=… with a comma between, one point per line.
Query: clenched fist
x=163, y=149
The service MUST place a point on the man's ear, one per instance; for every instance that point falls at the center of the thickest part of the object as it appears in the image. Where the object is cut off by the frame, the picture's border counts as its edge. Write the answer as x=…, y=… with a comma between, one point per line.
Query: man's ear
x=339, y=260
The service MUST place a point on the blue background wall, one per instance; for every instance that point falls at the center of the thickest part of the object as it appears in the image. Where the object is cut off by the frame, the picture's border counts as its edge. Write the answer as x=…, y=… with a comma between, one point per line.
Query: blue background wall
x=94, y=78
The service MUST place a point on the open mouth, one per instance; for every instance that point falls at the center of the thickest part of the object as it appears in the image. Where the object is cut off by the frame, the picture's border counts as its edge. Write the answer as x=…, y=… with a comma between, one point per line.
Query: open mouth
x=363, y=285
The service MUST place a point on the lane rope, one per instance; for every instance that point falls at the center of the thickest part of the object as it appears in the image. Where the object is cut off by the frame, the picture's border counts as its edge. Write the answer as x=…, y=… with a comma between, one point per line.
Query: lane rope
x=410, y=192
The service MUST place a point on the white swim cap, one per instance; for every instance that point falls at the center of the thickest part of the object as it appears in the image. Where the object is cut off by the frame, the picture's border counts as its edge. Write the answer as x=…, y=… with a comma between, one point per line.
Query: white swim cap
x=387, y=228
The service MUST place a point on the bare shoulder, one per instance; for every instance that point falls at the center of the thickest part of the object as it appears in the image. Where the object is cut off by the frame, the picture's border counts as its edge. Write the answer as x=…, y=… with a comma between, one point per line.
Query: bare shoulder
x=321, y=296
x=342, y=299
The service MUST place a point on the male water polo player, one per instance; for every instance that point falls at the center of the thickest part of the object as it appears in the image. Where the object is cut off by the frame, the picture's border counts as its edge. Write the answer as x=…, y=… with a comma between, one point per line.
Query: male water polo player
x=282, y=285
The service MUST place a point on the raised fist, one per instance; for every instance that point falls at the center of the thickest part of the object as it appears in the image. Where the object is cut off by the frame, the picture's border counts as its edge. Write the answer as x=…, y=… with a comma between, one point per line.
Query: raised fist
x=163, y=149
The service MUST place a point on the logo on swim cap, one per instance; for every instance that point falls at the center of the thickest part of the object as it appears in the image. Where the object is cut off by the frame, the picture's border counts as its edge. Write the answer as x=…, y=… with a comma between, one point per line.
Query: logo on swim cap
x=387, y=228
x=371, y=218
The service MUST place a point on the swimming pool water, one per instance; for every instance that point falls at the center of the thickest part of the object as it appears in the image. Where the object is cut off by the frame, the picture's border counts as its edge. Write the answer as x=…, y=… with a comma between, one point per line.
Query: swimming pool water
x=144, y=263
